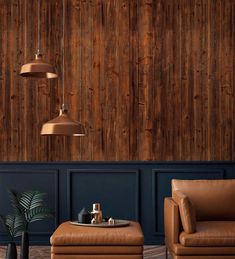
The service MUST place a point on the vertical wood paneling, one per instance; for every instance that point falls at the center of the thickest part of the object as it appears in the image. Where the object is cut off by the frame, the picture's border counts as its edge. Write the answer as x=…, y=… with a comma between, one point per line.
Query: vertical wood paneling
x=74, y=61
x=133, y=74
x=150, y=79
x=111, y=76
x=184, y=75
x=3, y=83
x=97, y=80
x=226, y=80
x=123, y=91
x=86, y=88
x=176, y=80
x=233, y=74
x=212, y=79
x=157, y=112
x=145, y=83
x=8, y=83
x=196, y=52
x=217, y=85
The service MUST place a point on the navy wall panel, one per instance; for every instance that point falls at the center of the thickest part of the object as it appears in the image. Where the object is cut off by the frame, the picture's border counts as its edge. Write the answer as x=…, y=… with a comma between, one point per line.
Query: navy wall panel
x=131, y=190
x=20, y=180
x=117, y=190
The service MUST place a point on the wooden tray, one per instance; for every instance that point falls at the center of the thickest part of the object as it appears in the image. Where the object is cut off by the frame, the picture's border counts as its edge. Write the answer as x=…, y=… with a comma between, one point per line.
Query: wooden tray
x=118, y=223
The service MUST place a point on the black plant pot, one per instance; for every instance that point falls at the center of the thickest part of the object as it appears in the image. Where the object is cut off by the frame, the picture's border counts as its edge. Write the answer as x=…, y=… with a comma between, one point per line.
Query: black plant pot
x=24, y=250
x=11, y=251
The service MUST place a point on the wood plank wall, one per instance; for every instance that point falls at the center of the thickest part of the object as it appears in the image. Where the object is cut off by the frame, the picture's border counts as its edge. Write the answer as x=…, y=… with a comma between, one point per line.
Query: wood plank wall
x=150, y=79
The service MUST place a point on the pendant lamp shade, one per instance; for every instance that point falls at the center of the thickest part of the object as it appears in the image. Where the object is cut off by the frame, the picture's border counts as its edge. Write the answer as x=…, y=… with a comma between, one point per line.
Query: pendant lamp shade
x=63, y=125
x=38, y=68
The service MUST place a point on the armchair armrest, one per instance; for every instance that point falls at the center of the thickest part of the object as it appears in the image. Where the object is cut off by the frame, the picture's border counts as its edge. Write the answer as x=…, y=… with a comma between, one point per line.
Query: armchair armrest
x=171, y=221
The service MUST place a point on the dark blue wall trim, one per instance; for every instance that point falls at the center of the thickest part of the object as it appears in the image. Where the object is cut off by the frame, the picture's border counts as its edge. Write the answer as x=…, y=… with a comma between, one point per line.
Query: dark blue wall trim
x=131, y=190
x=103, y=173
x=16, y=179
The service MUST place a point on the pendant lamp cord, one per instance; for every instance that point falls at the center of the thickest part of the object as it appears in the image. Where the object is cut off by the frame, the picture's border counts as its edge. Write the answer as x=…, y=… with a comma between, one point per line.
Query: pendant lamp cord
x=63, y=60
x=39, y=28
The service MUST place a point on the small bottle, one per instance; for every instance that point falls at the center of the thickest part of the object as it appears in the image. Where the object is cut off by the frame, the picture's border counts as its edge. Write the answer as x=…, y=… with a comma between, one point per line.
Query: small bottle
x=97, y=213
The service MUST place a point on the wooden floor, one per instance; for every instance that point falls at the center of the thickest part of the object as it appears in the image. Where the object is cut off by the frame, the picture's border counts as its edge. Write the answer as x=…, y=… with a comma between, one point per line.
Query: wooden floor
x=43, y=252
x=155, y=252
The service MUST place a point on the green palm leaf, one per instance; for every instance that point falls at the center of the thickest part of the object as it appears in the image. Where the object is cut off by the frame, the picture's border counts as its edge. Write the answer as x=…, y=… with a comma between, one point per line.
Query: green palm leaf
x=14, y=224
x=38, y=213
x=28, y=207
x=3, y=223
x=15, y=201
x=31, y=199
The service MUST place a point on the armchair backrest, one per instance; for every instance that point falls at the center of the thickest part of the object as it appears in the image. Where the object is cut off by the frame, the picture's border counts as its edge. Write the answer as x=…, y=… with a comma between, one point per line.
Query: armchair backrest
x=212, y=199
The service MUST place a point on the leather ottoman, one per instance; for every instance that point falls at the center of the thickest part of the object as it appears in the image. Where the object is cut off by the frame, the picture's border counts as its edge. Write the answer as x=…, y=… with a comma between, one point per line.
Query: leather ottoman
x=69, y=241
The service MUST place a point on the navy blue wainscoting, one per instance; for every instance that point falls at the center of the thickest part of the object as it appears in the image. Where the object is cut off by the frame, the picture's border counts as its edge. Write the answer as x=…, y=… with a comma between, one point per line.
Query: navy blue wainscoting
x=128, y=190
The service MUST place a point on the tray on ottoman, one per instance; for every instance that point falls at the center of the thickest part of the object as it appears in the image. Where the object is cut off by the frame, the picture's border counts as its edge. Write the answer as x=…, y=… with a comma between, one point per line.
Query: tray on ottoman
x=118, y=223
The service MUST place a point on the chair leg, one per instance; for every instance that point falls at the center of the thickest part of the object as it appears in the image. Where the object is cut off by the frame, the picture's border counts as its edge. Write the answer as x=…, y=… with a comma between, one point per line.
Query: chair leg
x=166, y=253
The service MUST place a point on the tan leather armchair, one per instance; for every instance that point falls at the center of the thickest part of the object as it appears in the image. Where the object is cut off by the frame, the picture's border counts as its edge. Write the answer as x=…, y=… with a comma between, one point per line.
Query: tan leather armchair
x=199, y=219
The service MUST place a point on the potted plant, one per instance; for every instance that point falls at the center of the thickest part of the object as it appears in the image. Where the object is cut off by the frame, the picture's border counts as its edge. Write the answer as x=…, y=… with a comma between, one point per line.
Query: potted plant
x=13, y=225
x=30, y=207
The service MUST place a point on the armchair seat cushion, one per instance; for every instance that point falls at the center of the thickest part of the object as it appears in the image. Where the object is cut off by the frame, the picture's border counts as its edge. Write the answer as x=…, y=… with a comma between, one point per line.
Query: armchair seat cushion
x=210, y=233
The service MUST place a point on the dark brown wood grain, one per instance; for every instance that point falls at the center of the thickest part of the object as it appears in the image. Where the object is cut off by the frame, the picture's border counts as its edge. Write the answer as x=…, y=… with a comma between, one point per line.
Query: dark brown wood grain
x=150, y=79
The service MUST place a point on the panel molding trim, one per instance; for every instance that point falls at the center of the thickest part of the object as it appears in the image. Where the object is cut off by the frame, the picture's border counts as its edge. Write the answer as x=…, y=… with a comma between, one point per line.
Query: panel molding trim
x=70, y=172
x=56, y=194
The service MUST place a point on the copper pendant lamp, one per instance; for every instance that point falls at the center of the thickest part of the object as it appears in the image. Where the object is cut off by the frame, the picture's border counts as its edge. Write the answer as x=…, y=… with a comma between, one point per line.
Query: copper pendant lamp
x=38, y=68
x=62, y=124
